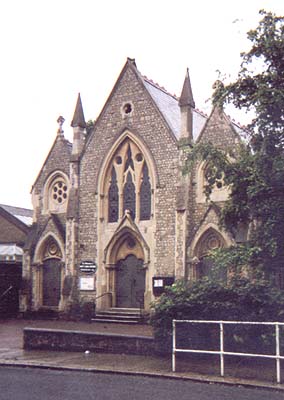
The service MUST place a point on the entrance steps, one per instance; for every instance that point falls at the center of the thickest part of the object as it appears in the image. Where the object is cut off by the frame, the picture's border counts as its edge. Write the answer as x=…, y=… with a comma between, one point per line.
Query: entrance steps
x=119, y=316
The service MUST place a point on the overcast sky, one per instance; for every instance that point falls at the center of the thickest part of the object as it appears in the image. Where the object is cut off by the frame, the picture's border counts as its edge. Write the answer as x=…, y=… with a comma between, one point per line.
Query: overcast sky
x=51, y=50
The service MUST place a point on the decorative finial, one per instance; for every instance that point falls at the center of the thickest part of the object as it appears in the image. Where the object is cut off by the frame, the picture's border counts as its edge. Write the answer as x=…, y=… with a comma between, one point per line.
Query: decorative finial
x=60, y=122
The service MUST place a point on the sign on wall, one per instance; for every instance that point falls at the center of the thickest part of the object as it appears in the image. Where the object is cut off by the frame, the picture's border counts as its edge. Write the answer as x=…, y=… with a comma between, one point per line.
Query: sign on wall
x=87, y=283
x=89, y=267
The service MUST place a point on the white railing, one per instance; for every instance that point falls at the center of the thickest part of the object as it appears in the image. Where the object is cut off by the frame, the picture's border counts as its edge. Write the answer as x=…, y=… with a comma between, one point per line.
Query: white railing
x=277, y=357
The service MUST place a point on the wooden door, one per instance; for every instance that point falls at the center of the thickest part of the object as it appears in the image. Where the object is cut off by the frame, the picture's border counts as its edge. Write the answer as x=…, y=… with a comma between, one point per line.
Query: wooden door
x=51, y=282
x=130, y=283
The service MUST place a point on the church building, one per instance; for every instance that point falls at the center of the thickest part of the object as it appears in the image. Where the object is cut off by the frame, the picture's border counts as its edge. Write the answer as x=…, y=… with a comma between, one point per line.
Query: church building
x=114, y=218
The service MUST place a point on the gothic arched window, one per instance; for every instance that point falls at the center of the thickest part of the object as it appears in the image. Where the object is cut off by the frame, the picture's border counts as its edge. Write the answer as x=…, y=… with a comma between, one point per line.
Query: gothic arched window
x=128, y=184
x=210, y=240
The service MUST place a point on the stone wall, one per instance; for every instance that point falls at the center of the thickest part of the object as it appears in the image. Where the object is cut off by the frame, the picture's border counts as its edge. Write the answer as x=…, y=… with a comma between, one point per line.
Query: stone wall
x=47, y=339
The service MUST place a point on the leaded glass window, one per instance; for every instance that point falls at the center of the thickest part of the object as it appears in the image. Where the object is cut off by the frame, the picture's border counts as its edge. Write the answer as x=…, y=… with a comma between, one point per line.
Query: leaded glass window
x=145, y=195
x=128, y=184
x=113, y=198
x=129, y=196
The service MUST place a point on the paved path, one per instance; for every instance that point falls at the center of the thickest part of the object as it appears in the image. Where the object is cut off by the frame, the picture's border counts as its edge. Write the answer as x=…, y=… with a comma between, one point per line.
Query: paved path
x=11, y=353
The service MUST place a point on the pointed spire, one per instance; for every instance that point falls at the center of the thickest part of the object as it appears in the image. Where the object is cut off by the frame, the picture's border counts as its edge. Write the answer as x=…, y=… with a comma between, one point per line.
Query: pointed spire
x=78, y=117
x=186, y=97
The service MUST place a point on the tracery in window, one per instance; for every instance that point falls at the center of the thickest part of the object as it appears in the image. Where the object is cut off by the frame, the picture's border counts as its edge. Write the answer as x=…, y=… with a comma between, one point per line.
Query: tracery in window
x=51, y=250
x=210, y=181
x=59, y=191
x=55, y=193
x=214, y=177
x=128, y=184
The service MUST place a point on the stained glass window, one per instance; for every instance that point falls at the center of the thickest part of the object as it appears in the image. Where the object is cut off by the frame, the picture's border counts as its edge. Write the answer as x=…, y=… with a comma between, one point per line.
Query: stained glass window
x=145, y=195
x=129, y=197
x=113, y=198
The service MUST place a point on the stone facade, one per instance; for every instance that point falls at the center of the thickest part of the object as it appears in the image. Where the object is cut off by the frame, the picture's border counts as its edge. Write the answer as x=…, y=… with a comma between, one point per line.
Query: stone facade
x=113, y=214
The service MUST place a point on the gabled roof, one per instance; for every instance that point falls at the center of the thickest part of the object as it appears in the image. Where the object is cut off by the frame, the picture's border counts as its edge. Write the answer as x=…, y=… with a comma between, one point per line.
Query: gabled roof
x=24, y=215
x=68, y=147
x=168, y=105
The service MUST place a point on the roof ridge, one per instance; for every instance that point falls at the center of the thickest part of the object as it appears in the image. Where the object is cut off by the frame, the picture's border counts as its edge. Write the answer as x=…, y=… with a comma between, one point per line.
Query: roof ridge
x=162, y=88
x=238, y=124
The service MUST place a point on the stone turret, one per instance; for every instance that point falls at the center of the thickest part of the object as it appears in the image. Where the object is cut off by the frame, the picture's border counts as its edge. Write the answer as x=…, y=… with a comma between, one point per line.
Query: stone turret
x=186, y=104
x=79, y=129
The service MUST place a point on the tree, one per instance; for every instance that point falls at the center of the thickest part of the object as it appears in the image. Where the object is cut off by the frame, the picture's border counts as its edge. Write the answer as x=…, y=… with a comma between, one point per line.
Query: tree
x=256, y=175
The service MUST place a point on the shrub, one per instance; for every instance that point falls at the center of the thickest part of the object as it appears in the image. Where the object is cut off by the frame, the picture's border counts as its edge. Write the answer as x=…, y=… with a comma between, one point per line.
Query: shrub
x=239, y=300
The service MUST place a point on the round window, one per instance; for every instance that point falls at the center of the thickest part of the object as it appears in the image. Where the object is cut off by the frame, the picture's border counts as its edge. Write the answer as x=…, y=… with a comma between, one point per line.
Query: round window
x=59, y=191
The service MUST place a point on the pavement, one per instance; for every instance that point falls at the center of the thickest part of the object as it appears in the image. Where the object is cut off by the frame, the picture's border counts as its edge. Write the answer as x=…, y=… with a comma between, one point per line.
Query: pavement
x=12, y=354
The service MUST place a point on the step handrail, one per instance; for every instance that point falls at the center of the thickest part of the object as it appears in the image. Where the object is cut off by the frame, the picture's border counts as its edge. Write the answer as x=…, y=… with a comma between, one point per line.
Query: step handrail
x=6, y=292
x=102, y=295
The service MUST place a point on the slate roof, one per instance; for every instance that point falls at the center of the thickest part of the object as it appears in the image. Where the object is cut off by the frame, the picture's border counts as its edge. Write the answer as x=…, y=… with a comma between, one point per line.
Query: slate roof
x=23, y=214
x=169, y=107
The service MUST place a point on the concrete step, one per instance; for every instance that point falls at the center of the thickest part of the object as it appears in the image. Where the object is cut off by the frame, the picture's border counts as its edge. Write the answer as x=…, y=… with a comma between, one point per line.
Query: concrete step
x=119, y=315
x=115, y=321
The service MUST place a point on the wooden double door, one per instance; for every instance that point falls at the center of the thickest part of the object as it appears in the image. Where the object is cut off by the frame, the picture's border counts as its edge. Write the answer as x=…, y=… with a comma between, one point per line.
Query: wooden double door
x=51, y=282
x=130, y=283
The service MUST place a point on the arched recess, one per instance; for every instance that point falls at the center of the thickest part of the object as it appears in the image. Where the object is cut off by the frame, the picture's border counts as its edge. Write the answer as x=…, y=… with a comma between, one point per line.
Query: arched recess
x=127, y=180
x=55, y=192
x=209, y=239
x=48, y=261
x=126, y=260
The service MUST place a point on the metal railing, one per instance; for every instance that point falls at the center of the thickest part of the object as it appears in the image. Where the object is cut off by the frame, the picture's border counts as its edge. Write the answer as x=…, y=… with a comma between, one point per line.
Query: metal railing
x=6, y=292
x=277, y=357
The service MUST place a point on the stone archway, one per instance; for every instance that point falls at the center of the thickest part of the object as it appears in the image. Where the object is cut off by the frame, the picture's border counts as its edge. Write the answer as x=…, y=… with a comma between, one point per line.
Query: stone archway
x=126, y=260
x=49, y=274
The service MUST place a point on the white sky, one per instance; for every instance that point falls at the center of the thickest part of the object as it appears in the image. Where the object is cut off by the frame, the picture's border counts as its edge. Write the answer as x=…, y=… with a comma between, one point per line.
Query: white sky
x=53, y=49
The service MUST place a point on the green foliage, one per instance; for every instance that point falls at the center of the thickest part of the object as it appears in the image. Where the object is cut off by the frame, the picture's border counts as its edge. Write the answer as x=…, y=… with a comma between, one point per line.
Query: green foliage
x=255, y=174
x=241, y=299
x=90, y=127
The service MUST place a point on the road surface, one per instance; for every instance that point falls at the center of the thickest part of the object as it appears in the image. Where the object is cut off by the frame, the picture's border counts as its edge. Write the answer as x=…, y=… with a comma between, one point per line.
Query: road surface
x=44, y=384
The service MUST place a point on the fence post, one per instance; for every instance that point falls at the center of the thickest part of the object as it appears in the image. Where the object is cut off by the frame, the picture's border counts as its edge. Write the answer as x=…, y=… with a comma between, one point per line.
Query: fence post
x=278, y=366
x=174, y=347
x=221, y=349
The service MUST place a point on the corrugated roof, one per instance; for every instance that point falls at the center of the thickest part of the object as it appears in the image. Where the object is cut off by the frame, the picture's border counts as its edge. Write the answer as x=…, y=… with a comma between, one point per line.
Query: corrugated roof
x=10, y=250
x=23, y=214
x=169, y=107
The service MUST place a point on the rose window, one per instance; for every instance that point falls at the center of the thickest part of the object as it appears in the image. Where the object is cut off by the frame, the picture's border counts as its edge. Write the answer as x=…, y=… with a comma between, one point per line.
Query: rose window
x=59, y=192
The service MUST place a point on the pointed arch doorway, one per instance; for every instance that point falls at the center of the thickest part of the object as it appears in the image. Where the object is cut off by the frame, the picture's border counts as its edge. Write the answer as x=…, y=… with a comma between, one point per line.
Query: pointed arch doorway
x=130, y=282
x=127, y=260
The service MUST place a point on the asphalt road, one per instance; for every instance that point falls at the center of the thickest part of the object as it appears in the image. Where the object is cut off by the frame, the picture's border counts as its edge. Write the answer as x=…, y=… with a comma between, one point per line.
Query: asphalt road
x=44, y=384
